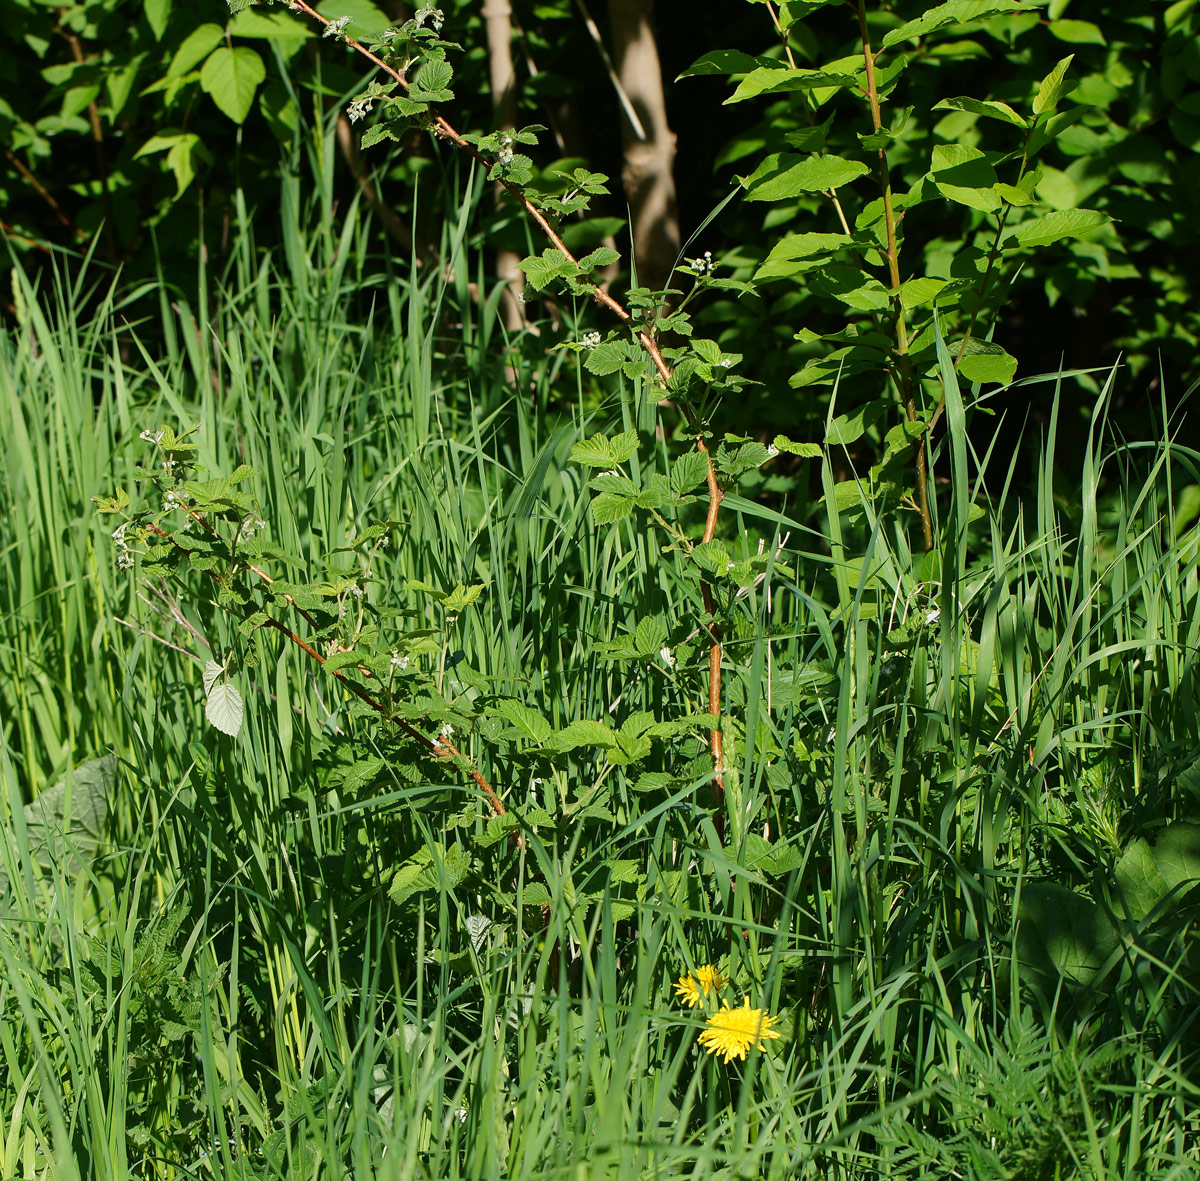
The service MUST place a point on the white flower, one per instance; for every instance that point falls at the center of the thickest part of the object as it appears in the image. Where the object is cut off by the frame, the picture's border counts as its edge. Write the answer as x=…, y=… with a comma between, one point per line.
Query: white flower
x=702, y=264
x=460, y=1114
x=932, y=616
x=667, y=657
x=398, y=661
x=358, y=109
x=151, y=436
x=772, y=451
x=336, y=28
x=171, y=500
x=590, y=340
x=124, y=560
x=447, y=731
x=357, y=591
x=118, y=536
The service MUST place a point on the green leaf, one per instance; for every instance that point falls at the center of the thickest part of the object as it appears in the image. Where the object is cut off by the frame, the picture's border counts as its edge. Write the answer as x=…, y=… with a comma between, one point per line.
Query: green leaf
x=723, y=61
x=197, y=45
x=848, y=428
x=366, y=20
x=965, y=175
x=461, y=597
x=956, y=12
x=778, y=78
x=1052, y=88
x=803, y=450
x=606, y=358
x=601, y=451
x=1077, y=32
x=986, y=362
x=784, y=174
x=270, y=26
x=649, y=638
x=988, y=109
x=609, y=507
x=224, y=709
x=689, y=471
x=796, y=253
x=230, y=77
x=158, y=13
x=916, y=292
x=1013, y=195
x=528, y=721
x=1053, y=227
x=583, y=733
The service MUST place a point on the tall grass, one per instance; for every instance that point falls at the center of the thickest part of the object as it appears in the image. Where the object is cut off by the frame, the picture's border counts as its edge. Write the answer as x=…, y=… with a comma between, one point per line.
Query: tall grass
x=925, y=871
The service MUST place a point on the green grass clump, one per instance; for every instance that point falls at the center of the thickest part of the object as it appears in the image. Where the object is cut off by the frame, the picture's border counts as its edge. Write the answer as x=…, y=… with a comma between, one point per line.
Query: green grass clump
x=955, y=862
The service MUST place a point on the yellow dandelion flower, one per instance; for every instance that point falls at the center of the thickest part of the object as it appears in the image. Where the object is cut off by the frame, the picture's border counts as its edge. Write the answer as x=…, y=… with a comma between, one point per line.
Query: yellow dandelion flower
x=695, y=986
x=731, y=1032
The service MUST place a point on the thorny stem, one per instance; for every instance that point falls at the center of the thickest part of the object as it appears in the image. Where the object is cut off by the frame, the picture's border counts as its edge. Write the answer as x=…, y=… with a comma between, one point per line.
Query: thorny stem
x=438, y=747
x=444, y=130
x=903, y=361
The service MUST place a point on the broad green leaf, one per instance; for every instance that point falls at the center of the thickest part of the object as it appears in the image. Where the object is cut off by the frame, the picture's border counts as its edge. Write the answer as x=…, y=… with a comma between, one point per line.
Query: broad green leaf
x=271, y=26
x=601, y=451
x=585, y=732
x=724, y=61
x=1053, y=87
x=988, y=109
x=1053, y=227
x=797, y=252
x=1148, y=874
x=956, y=12
x=848, y=428
x=791, y=11
x=224, y=708
x=784, y=174
x=528, y=721
x=852, y=286
x=197, y=45
x=461, y=597
x=986, y=362
x=1013, y=195
x=964, y=174
x=1076, y=32
x=778, y=78
x=609, y=507
x=649, y=636
x=916, y=292
x=158, y=13
x=212, y=673
x=231, y=76
x=366, y=20
x=605, y=358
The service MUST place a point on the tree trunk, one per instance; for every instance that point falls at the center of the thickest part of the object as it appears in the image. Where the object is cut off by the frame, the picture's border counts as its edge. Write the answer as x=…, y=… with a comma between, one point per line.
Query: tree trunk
x=497, y=15
x=649, y=162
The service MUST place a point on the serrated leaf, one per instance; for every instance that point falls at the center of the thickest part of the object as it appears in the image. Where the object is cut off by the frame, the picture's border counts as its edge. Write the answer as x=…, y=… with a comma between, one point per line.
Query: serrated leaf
x=528, y=721
x=649, y=638
x=608, y=508
x=224, y=708
x=585, y=732
x=605, y=358
x=600, y=450
x=377, y=133
x=1053, y=227
x=212, y=672
x=783, y=175
x=689, y=471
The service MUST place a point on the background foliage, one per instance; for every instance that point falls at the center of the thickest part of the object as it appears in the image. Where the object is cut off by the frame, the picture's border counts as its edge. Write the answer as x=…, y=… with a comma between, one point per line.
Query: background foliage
x=252, y=928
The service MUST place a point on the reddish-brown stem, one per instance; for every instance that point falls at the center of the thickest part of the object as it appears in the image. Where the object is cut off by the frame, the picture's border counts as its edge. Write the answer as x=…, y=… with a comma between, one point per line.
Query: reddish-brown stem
x=444, y=130
x=439, y=747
